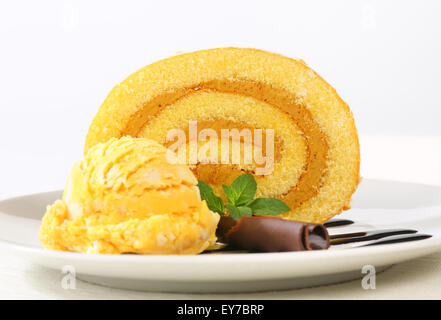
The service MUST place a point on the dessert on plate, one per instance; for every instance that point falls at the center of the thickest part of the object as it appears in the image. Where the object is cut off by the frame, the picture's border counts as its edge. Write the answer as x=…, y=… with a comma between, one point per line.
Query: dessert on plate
x=316, y=151
x=274, y=148
x=126, y=197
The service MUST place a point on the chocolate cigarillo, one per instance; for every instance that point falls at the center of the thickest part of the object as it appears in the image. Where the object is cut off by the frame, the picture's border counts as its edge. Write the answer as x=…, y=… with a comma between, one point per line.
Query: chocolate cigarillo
x=272, y=234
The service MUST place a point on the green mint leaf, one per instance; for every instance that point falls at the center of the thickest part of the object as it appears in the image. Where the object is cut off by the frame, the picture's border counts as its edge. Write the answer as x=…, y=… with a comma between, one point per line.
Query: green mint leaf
x=242, y=190
x=268, y=206
x=214, y=203
x=245, y=211
x=230, y=193
x=238, y=212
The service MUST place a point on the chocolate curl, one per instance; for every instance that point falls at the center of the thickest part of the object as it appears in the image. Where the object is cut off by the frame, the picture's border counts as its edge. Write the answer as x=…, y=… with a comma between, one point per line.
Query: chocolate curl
x=272, y=234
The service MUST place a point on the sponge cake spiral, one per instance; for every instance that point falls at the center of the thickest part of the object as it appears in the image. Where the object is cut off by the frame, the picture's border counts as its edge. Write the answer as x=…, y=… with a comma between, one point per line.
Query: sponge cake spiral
x=317, y=157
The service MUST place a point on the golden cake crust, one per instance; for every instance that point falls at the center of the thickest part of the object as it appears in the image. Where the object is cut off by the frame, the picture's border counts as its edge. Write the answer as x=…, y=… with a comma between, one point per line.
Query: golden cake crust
x=179, y=87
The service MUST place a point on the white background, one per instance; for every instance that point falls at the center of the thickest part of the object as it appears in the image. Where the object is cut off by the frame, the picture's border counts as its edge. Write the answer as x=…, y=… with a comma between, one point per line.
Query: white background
x=59, y=59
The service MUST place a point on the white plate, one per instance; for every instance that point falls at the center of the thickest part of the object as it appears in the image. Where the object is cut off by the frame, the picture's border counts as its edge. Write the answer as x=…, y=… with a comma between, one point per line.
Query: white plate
x=376, y=205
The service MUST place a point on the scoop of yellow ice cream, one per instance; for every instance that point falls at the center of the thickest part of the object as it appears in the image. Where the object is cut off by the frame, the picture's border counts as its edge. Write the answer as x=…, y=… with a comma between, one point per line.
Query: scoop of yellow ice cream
x=127, y=195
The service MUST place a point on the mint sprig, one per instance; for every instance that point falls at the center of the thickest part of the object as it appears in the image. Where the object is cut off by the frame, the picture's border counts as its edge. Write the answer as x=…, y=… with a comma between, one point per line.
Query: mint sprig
x=242, y=190
x=268, y=206
x=238, y=212
x=214, y=203
x=240, y=194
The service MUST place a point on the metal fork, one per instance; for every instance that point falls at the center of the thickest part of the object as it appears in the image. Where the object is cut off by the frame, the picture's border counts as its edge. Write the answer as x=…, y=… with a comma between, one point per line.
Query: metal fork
x=378, y=237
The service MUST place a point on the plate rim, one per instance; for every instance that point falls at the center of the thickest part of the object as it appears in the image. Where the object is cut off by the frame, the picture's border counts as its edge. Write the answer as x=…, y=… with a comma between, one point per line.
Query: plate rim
x=290, y=264
x=287, y=263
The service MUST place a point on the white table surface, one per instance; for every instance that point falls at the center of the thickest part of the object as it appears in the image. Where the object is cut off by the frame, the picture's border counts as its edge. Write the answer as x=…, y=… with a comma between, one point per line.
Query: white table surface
x=415, y=159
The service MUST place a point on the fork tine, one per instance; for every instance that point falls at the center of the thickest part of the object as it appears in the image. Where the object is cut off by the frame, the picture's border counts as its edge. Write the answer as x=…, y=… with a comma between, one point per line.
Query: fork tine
x=336, y=222
x=398, y=238
x=367, y=235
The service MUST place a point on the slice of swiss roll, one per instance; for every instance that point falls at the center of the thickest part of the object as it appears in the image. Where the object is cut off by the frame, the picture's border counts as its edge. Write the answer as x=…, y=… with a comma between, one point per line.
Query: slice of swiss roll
x=231, y=110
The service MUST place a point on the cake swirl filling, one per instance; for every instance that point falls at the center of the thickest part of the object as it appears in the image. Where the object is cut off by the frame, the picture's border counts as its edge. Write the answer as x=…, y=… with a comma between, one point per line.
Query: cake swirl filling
x=306, y=152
